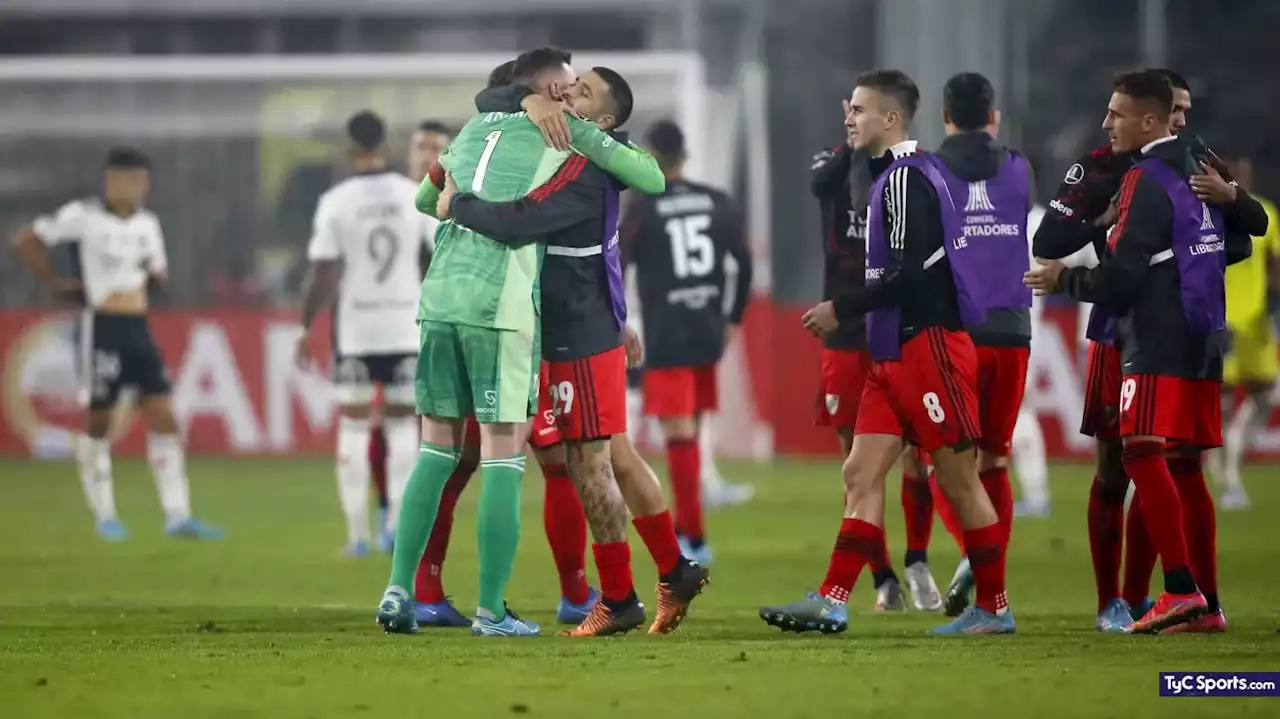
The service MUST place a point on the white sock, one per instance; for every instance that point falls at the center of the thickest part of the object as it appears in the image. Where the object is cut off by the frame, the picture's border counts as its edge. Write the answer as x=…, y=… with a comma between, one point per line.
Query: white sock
x=1248, y=420
x=169, y=467
x=635, y=414
x=404, y=439
x=1029, y=459
x=353, y=476
x=94, y=459
x=712, y=481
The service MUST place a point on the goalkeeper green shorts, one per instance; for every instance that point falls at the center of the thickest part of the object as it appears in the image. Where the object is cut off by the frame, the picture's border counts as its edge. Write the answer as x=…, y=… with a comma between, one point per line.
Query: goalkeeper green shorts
x=489, y=373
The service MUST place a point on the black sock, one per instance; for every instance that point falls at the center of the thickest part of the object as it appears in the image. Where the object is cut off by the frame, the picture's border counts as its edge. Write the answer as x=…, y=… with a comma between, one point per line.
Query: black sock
x=622, y=606
x=1212, y=600
x=1179, y=581
x=916, y=555
x=884, y=575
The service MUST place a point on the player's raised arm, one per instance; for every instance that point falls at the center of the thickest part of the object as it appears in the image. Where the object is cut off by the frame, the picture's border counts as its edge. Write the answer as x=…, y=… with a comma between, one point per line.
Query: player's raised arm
x=830, y=170
x=634, y=167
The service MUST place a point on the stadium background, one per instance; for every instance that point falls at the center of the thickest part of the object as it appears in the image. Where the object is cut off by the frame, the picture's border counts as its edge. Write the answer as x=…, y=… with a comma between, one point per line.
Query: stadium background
x=241, y=103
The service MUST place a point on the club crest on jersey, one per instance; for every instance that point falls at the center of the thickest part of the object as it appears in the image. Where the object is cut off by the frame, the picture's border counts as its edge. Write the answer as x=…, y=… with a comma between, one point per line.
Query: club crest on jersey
x=1075, y=174
x=833, y=403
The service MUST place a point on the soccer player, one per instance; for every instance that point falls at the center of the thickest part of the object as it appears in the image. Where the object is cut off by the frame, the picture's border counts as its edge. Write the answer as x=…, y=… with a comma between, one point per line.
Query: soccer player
x=1029, y=463
x=583, y=321
x=678, y=242
x=122, y=255
x=480, y=342
x=1164, y=280
x=994, y=183
x=425, y=146
x=841, y=181
x=364, y=244
x=922, y=283
x=1253, y=286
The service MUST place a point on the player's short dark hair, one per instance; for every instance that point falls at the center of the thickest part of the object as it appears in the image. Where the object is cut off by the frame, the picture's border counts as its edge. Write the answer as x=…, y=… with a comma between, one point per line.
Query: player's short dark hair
x=620, y=91
x=1177, y=81
x=968, y=99
x=530, y=64
x=122, y=157
x=366, y=130
x=435, y=126
x=1149, y=86
x=501, y=75
x=665, y=138
x=896, y=84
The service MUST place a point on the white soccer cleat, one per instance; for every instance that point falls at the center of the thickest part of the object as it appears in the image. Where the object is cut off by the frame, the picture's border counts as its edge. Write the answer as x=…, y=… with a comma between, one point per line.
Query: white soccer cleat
x=724, y=494
x=924, y=591
x=1234, y=500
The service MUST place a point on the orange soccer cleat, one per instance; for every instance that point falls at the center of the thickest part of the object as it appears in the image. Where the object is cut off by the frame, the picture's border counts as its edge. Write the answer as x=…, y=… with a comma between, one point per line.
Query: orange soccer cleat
x=1170, y=610
x=602, y=622
x=674, y=597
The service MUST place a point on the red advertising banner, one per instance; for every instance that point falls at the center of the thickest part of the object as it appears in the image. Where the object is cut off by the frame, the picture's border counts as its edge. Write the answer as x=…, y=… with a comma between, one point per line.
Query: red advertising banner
x=236, y=389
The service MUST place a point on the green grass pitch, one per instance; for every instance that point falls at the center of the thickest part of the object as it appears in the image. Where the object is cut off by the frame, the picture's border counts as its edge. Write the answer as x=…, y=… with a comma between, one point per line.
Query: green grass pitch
x=272, y=623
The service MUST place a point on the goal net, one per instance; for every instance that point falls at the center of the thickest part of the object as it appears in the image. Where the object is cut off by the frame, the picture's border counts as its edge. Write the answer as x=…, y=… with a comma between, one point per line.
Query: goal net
x=244, y=146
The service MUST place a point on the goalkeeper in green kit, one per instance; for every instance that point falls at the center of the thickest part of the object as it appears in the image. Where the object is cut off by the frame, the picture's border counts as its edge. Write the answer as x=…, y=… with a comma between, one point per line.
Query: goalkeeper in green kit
x=480, y=349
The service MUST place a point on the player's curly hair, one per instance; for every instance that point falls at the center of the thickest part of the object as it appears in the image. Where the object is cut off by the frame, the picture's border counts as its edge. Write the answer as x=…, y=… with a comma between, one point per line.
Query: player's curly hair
x=1151, y=86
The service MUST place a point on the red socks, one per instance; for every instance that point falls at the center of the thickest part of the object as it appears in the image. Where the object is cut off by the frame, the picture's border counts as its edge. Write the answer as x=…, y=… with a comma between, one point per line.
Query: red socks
x=917, y=509
x=996, y=482
x=566, y=525
x=378, y=462
x=1199, y=522
x=427, y=586
x=613, y=562
x=659, y=535
x=1106, y=515
x=985, y=549
x=1144, y=462
x=856, y=545
x=947, y=514
x=1139, y=556
x=685, y=465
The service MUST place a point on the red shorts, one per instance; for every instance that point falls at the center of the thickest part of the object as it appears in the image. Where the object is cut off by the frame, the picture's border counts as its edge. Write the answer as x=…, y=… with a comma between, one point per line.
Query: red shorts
x=844, y=372
x=1101, y=417
x=1186, y=412
x=1002, y=381
x=928, y=397
x=586, y=398
x=680, y=391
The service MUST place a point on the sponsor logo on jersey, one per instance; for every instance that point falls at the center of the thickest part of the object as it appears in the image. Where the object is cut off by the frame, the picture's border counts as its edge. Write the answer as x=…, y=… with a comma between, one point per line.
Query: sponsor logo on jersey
x=1075, y=174
x=491, y=397
x=1054, y=204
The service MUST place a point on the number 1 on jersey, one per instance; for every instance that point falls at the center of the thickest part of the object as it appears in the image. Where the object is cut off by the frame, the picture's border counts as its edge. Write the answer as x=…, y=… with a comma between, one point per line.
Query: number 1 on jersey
x=490, y=144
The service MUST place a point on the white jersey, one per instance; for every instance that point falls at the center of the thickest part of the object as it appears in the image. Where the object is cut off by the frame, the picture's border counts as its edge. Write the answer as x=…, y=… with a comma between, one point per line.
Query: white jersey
x=370, y=223
x=116, y=253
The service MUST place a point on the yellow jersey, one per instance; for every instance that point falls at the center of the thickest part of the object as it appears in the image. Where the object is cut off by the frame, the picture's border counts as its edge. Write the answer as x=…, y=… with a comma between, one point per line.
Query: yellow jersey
x=1247, y=281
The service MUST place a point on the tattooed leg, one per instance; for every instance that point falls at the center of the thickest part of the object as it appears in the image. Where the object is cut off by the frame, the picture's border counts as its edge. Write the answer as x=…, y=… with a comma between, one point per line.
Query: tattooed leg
x=590, y=468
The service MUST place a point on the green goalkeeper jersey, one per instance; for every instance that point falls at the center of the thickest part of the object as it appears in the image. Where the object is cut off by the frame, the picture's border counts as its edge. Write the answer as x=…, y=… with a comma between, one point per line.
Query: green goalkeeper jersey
x=501, y=157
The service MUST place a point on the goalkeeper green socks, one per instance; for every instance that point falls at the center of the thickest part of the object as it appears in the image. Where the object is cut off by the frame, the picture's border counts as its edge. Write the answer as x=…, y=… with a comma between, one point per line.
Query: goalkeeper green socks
x=418, y=511
x=497, y=531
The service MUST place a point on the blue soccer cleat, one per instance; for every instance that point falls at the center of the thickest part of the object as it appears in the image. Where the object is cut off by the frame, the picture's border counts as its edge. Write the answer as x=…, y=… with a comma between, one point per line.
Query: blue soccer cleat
x=192, y=528
x=701, y=555
x=1139, y=610
x=814, y=613
x=957, y=599
x=439, y=614
x=396, y=612
x=509, y=626
x=356, y=549
x=1115, y=617
x=574, y=614
x=974, y=622
x=112, y=531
